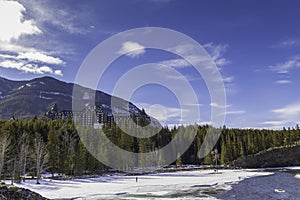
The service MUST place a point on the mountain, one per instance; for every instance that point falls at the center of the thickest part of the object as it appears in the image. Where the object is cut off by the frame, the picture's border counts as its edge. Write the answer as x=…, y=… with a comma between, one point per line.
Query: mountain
x=26, y=99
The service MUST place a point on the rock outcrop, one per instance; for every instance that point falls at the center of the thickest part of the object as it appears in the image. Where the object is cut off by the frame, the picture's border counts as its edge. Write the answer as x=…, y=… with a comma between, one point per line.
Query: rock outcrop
x=276, y=157
x=13, y=193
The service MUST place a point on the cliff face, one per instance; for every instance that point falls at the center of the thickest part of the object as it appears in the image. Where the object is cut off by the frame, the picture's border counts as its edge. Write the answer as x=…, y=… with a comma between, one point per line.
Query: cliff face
x=277, y=157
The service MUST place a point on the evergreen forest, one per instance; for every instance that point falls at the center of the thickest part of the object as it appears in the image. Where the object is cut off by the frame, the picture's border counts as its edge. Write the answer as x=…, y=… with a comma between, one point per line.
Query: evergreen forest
x=32, y=147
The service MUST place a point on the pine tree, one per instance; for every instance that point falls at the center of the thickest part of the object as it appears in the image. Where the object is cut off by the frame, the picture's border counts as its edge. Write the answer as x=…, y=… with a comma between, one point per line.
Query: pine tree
x=53, y=150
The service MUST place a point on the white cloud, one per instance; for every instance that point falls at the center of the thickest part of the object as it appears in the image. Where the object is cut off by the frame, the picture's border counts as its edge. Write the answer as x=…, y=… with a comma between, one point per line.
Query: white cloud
x=58, y=72
x=14, y=28
x=31, y=62
x=287, y=66
x=274, y=123
x=228, y=79
x=289, y=115
x=11, y=64
x=215, y=51
x=13, y=25
x=131, y=49
x=215, y=105
x=40, y=57
x=289, y=110
x=286, y=116
x=6, y=56
x=29, y=67
x=283, y=81
x=235, y=112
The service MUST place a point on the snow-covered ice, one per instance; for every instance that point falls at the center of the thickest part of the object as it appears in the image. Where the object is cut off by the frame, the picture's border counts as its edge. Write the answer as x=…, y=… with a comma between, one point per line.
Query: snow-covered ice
x=181, y=185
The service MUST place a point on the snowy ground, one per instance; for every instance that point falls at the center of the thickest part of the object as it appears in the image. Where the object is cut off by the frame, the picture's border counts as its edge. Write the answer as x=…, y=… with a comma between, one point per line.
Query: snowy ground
x=180, y=185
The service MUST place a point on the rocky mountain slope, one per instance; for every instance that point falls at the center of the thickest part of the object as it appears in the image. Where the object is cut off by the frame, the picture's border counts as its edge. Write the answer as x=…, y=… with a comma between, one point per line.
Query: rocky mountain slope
x=26, y=99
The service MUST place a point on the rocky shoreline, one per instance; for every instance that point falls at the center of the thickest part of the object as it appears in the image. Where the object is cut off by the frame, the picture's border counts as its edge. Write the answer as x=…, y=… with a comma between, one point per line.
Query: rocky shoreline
x=276, y=157
x=14, y=193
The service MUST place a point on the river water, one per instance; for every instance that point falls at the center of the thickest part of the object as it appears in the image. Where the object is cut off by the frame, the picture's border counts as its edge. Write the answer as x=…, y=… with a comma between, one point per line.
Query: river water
x=280, y=185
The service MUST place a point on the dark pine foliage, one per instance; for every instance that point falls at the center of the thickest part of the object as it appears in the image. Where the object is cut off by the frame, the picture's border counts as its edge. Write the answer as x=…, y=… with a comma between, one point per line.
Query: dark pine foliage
x=63, y=153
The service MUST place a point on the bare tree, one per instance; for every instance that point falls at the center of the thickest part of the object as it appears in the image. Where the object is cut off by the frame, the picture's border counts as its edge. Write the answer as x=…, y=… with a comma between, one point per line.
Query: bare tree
x=40, y=155
x=23, y=155
x=4, y=146
x=216, y=158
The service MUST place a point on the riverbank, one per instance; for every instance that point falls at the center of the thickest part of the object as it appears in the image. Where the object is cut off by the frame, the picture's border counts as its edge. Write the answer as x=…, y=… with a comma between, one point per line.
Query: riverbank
x=8, y=192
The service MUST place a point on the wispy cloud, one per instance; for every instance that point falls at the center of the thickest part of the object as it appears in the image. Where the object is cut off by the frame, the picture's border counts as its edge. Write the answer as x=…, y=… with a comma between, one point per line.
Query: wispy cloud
x=216, y=105
x=177, y=63
x=14, y=25
x=228, y=79
x=287, y=43
x=288, y=115
x=12, y=47
x=279, y=123
x=60, y=16
x=235, y=112
x=217, y=52
x=170, y=115
x=283, y=81
x=291, y=110
x=286, y=66
x=188, y=51
x=131, y=49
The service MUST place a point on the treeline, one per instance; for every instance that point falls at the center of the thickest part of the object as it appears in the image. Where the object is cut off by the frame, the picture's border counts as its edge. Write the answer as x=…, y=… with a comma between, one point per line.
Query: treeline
x=39, y=145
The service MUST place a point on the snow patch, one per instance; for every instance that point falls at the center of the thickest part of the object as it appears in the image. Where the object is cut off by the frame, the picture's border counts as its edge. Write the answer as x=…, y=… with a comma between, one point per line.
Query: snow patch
x=47, y=98
x=105, y=106
x=55, y=93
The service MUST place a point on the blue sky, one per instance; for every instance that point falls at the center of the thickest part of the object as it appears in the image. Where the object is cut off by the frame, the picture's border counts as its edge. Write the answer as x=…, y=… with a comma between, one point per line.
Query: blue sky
x=255, y=45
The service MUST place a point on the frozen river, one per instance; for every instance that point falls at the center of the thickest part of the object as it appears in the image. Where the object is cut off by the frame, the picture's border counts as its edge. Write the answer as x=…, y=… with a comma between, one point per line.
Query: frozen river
x=200, y=184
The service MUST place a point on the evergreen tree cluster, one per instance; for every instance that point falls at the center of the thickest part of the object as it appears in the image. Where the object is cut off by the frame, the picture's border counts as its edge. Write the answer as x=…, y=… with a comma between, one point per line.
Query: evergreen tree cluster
x=38, y=145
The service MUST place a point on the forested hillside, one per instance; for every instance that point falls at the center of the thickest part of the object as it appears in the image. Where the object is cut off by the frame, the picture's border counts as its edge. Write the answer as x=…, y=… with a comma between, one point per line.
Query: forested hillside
x=38, y=145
